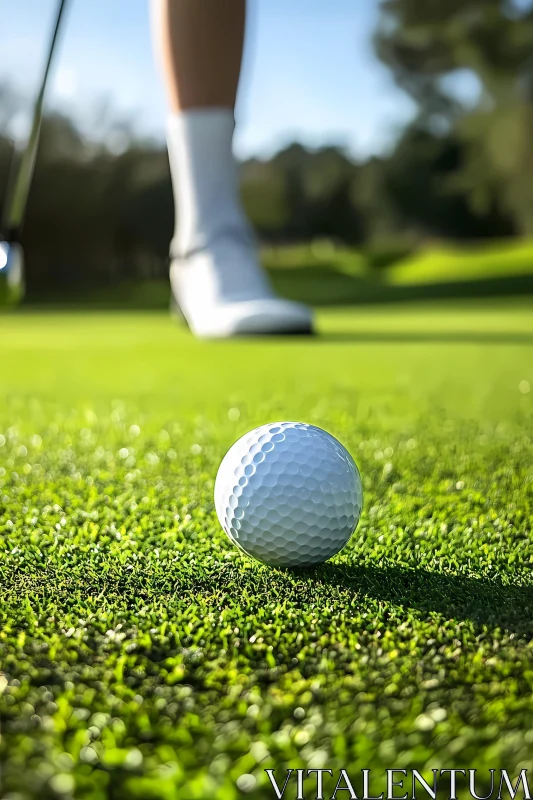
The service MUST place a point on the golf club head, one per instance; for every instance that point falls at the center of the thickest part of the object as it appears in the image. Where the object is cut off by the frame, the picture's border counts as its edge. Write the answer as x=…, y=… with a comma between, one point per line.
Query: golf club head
x=11, y=273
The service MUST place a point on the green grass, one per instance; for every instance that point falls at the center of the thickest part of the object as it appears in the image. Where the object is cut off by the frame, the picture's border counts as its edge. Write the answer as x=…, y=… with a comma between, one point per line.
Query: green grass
x=433, y=263
x=146, y=658
x=475, y=263
x=327, y=276
x=321, y=274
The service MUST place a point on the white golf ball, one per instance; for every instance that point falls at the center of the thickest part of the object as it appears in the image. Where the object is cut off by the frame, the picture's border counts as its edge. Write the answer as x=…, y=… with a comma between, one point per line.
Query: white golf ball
x=288, y=494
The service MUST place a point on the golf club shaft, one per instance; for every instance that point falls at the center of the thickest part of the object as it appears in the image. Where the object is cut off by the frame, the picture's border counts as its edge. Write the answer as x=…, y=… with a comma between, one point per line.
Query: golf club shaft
x=20, y=186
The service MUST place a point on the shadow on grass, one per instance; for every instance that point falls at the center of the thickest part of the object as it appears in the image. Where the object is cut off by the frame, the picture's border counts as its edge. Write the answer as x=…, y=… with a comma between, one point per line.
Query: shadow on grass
x=422, y=337
x=484, y=602
x=327, y=286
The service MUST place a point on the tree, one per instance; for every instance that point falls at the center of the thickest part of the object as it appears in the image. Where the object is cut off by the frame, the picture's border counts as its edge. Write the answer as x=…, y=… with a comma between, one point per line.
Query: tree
x=428, y=44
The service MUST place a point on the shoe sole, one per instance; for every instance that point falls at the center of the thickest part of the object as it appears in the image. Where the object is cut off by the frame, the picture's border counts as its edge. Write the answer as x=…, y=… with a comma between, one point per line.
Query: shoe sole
x=305, y=329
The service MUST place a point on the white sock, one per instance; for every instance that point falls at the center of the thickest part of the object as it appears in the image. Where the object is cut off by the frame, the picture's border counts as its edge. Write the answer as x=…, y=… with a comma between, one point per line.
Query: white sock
x=215, y=274
x=204, y=177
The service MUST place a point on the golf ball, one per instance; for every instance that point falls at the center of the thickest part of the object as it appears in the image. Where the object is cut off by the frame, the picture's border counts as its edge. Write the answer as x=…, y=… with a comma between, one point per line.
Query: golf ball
x=288, y=494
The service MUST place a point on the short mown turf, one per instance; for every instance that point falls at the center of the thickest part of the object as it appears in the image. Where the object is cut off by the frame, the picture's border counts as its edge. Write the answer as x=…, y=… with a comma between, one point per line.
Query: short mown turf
x=144, y=657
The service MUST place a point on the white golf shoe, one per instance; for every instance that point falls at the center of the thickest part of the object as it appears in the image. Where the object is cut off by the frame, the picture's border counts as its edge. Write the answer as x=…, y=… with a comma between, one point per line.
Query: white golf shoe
x=222, y=291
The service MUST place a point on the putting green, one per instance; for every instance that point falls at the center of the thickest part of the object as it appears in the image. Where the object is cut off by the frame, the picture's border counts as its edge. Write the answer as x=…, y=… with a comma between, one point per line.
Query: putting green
x=144, y=657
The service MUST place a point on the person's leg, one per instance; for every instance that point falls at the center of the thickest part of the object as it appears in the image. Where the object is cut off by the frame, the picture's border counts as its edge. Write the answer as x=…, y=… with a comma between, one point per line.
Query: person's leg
x=215, y=275
x=199, y=44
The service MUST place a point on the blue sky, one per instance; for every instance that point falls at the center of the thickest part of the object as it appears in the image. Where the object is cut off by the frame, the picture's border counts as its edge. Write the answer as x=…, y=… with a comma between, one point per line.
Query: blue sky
x=310, y=73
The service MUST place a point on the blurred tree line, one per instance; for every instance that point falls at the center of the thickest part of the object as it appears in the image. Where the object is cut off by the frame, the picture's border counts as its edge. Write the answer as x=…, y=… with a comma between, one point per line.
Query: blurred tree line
x=462, y=169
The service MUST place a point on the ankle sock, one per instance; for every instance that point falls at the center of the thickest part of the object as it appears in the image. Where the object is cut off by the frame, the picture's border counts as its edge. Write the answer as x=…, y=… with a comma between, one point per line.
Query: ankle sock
x=204, y=177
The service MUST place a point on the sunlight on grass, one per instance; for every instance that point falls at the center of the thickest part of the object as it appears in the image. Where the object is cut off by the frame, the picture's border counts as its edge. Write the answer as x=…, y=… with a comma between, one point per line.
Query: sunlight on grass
x=479, y=262
x=143, y=656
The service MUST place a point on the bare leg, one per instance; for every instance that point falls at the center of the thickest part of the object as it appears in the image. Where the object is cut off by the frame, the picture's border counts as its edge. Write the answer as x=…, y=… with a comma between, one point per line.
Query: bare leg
x=216, y=278
x=200, y=45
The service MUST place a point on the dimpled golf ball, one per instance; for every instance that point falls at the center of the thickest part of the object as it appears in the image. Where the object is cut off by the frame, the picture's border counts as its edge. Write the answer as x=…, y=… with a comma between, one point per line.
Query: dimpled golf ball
x=288, y=494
